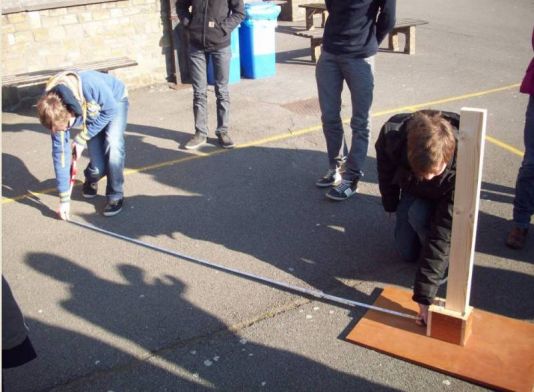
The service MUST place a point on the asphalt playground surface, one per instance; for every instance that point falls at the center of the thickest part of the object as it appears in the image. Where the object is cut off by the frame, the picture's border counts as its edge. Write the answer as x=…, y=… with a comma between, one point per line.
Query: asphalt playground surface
x=109, y=315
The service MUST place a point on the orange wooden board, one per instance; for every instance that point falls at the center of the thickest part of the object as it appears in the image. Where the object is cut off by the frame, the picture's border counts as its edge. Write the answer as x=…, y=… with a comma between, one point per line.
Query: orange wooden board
x=499, y=353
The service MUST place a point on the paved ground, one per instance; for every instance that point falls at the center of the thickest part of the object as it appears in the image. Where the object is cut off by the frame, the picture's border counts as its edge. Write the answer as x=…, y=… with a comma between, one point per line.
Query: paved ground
x=108, y=315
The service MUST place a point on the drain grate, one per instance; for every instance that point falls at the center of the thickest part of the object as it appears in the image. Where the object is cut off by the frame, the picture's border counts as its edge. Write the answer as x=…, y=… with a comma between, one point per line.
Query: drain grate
x=305, y=107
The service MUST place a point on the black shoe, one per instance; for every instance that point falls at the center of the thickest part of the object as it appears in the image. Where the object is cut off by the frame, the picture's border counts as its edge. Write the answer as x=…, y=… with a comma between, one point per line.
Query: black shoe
x=343, y=191
x=113, y=207
x=225, y=141
x=90, y=189
x=516, y=238
x=196, y=141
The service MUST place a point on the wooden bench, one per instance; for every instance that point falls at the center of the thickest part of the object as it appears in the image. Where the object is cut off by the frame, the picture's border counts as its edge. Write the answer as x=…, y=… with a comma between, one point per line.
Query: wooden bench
x=403, y=26
x=40, y=77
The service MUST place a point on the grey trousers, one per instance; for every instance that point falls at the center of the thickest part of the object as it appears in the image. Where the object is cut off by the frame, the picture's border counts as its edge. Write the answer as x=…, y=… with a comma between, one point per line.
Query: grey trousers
x=198, y=64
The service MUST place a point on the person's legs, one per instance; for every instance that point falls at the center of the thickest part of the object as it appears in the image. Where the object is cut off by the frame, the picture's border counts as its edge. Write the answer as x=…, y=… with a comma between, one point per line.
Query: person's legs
x=198, y=60
x=115, y=152
x=221, y=66
x=96, y=169
x=406, y=239
x=359, y=74
x=329, y=87
x=412, y=226
x=524, y=189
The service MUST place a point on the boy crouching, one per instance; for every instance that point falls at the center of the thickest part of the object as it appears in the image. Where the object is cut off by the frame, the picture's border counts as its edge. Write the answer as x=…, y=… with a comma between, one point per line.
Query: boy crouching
x=416, y=158
x=98, y=104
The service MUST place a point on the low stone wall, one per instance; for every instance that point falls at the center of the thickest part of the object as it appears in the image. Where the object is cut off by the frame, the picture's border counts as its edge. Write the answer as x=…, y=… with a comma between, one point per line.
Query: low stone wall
x=60, y=37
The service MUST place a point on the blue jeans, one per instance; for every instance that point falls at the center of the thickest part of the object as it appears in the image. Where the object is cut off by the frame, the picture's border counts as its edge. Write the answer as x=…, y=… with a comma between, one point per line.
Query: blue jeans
x=198, y=68
x=524, y=188
x=106, y=153
x=412, y=225
x=330, y=73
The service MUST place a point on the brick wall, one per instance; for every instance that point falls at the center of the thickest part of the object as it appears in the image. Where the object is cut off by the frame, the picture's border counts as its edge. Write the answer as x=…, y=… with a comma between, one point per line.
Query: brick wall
x=61, y=37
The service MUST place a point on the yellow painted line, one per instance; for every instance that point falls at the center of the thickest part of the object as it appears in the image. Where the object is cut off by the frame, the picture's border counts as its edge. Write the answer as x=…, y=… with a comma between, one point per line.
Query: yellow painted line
x=505, y=146
x=300, y=132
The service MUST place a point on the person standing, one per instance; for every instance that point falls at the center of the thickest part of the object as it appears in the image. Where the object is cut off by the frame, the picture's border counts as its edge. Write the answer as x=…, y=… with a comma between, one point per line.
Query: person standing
x=524, y=188
x=352, y=34
x=210, y=24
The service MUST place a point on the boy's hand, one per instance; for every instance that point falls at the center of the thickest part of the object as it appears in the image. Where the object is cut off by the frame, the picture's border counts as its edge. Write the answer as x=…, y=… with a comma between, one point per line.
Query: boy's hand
x=64, y=210
x=422, y=317
x=77, y=150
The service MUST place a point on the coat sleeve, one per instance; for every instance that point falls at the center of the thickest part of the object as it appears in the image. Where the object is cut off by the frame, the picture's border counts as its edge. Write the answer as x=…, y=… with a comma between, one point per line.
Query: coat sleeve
x=389, y=191
x=182, y=9
x=61, y=157
x=434, y=259
x=237, y=13
x=101, y=108
x=14, y=330
x=386, y=19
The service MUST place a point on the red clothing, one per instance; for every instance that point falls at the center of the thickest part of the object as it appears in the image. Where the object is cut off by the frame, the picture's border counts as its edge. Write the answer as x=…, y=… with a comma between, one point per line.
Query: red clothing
x=527, y=86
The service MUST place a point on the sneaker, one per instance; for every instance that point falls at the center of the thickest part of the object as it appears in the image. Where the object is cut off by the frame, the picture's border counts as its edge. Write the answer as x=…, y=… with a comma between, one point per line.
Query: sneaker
x=331, y=178
x=113, y=207
x=225, y=141
x=196, y=141
x=343, y=191
x=516, y=238
x=90, y=189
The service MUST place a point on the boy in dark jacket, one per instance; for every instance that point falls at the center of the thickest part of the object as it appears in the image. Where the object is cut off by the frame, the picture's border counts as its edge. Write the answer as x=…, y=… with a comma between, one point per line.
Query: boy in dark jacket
x=98, y=104
x=416, y=159
x=210, y=24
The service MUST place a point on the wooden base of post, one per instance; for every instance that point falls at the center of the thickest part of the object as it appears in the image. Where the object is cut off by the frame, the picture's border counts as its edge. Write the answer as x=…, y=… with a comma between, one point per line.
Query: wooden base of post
x=449, y=326
x=499, y=353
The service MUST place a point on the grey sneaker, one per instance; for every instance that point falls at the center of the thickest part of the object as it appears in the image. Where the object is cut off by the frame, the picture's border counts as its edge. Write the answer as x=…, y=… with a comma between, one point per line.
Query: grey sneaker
x=331, y=178
x=196, y=141
x=224, y=140
x=113, y=207
x=343, y=191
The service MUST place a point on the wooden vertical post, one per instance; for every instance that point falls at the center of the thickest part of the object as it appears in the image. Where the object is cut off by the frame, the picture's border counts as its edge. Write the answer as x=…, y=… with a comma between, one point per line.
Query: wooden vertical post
x=466, y=202
x=451, y=321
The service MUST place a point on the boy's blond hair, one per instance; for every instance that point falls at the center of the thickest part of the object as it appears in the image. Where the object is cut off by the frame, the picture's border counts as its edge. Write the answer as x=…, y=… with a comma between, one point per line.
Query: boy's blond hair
x=52, y=111
x=430, y=141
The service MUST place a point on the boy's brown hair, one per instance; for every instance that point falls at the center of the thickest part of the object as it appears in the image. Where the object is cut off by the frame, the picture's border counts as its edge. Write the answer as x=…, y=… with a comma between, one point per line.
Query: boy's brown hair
x=51, y=110
x=430, y=141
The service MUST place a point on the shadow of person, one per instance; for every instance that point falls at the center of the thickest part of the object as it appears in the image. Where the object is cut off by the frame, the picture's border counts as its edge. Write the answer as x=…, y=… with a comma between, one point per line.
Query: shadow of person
x=17, y=180
x=161, y=327
x=66, y=358
x=506, y=292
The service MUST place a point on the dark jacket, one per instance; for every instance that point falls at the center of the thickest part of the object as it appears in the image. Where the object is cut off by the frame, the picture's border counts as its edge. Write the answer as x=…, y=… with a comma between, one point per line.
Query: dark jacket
x=210, y=22
x=357, y=27
x=394, y=175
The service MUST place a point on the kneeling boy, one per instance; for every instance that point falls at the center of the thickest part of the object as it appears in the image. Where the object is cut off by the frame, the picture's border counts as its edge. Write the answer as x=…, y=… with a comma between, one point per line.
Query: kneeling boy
x=416, y=159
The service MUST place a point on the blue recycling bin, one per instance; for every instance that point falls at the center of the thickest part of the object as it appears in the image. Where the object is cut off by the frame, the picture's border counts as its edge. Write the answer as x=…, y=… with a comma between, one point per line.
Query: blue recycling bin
x=257, y=40
x=235, y=63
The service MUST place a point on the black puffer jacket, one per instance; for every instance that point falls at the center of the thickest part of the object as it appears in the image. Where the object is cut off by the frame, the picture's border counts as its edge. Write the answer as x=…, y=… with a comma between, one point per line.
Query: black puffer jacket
x=394, y=174
x=210, y=22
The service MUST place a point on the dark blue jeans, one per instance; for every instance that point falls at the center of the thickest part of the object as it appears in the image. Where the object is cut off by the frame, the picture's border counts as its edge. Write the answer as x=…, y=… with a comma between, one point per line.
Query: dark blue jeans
x=106, y=153
x=524, y=188
x=412, y=225
x=331, y=71
x=198, y=67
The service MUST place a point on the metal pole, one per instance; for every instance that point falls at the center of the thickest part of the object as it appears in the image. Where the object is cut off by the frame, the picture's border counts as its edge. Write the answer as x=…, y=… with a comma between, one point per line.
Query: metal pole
x=309, y=292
